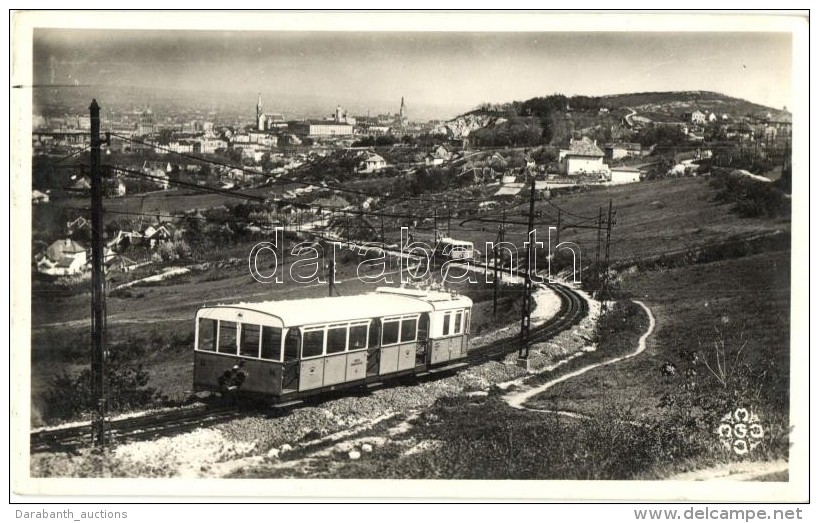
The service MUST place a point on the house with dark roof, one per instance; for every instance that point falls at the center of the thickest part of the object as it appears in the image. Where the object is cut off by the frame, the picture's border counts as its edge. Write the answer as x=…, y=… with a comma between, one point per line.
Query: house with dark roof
x=158, y=233
x=438, y=155
x=330, y=202
x=62, y=258
x=582, y=157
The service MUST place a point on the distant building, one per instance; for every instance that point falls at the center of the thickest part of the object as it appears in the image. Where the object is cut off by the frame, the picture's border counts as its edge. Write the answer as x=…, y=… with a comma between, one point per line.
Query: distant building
x=615, y=151
x=438, y=155
x=402, y=114
x=161, y=232
x=695, y=117
x=182, y=146
x=321, y=128
x=370, y=162
x=263, y=138
x=38, y=197
x=208, y=145
x=261, y=118
x=331, y=202
x=582, y=157
x=620, y=175
x=62, y=258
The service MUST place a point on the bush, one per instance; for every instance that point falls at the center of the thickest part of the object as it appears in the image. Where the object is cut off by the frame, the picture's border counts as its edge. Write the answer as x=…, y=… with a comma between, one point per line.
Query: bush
x=126, y=386
x=751, y=198
x=168, y=251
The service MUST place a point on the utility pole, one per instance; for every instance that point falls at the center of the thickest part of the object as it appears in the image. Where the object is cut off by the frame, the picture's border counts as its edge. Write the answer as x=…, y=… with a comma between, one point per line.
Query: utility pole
x=609, y=225
x=331, y=277
x=498, y=272
x=98, y=357
x=597, y=250
x=526, y=311
x=557, y=240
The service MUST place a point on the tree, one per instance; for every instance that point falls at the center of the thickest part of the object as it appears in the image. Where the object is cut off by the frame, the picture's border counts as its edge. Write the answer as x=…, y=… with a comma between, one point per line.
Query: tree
x=235, y=155
x=267, y=162
x=164, y=136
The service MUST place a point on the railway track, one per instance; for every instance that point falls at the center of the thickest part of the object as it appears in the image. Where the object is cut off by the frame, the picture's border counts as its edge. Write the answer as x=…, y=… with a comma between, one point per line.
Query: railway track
x=573, y=309
x=136, y=428
x=168, y=423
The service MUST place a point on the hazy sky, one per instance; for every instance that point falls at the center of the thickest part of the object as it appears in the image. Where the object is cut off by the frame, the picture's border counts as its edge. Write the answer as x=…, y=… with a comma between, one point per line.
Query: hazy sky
x=447, y=70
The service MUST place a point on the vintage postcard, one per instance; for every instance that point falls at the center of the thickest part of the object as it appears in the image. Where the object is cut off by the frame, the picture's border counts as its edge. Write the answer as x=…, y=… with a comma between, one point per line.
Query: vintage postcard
x=551, y=256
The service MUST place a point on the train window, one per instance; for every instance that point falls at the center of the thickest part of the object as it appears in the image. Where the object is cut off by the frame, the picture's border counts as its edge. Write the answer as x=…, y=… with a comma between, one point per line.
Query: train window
x=207, y=334
x=291, y=345
x=445, y=330
x=312, y=344
x=389, y=333
x=358, y=337
x=336, y=339
x=466, y=321
x=458, y=318
x=227, y=337
x=272, y=343
x=249, y=345
x=408, y=329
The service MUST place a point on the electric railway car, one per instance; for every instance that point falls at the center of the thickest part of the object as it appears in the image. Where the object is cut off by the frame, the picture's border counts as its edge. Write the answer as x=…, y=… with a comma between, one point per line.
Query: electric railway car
x=452, y=249
x=284, y=350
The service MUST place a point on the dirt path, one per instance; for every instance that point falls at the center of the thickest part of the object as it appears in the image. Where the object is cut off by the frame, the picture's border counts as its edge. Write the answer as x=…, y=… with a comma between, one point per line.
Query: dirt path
x=518, y=398
x=745, y=471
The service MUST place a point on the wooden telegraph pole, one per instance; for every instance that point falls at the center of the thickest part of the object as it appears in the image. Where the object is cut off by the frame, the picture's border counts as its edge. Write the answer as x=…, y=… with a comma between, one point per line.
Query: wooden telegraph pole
x=498, y=272
x=597, y=250
x=526, y=311
x=98, y=357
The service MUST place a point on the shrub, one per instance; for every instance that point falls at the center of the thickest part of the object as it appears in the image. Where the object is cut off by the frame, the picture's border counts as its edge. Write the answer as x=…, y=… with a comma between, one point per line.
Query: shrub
x=751, y=198
x=126, y=386
x=168, y=251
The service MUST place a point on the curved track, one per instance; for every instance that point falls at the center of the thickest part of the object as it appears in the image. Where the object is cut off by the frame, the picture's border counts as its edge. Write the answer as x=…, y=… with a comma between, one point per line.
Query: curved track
x=573, y=308
x=168, y=423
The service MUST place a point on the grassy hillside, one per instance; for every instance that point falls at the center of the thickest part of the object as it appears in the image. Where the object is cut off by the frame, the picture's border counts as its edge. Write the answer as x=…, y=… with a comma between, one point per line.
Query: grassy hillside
x=652, y=218
x=681, y=101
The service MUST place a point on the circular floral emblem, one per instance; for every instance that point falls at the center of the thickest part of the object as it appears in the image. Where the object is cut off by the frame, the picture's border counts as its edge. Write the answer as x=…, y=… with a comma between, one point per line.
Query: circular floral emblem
x=740, y=431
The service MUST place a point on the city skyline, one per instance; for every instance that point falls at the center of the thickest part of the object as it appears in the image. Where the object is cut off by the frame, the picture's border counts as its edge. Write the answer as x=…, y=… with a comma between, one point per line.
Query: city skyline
x=440, y=74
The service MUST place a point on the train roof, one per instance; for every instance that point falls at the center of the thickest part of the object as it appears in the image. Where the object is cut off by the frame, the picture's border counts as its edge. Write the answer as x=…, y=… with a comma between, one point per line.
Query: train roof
x=447, y=239
x=385, y=301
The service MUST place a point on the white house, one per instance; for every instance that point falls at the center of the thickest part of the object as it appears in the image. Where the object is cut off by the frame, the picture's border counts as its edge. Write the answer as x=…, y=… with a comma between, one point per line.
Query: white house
x=697, y=117
x=369, y=162
x=39, y=197
x=620, y=175
x=63, y=258
x=582, y=157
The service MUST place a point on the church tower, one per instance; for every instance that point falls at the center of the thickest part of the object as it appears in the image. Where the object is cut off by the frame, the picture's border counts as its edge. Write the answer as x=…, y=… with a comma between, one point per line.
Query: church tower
x=261, y=119
x=402, y=114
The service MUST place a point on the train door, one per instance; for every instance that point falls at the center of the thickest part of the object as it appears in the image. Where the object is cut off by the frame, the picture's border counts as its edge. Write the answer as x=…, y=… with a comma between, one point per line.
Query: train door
x=422, y=348
x=290, y=372
x=374, y=352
